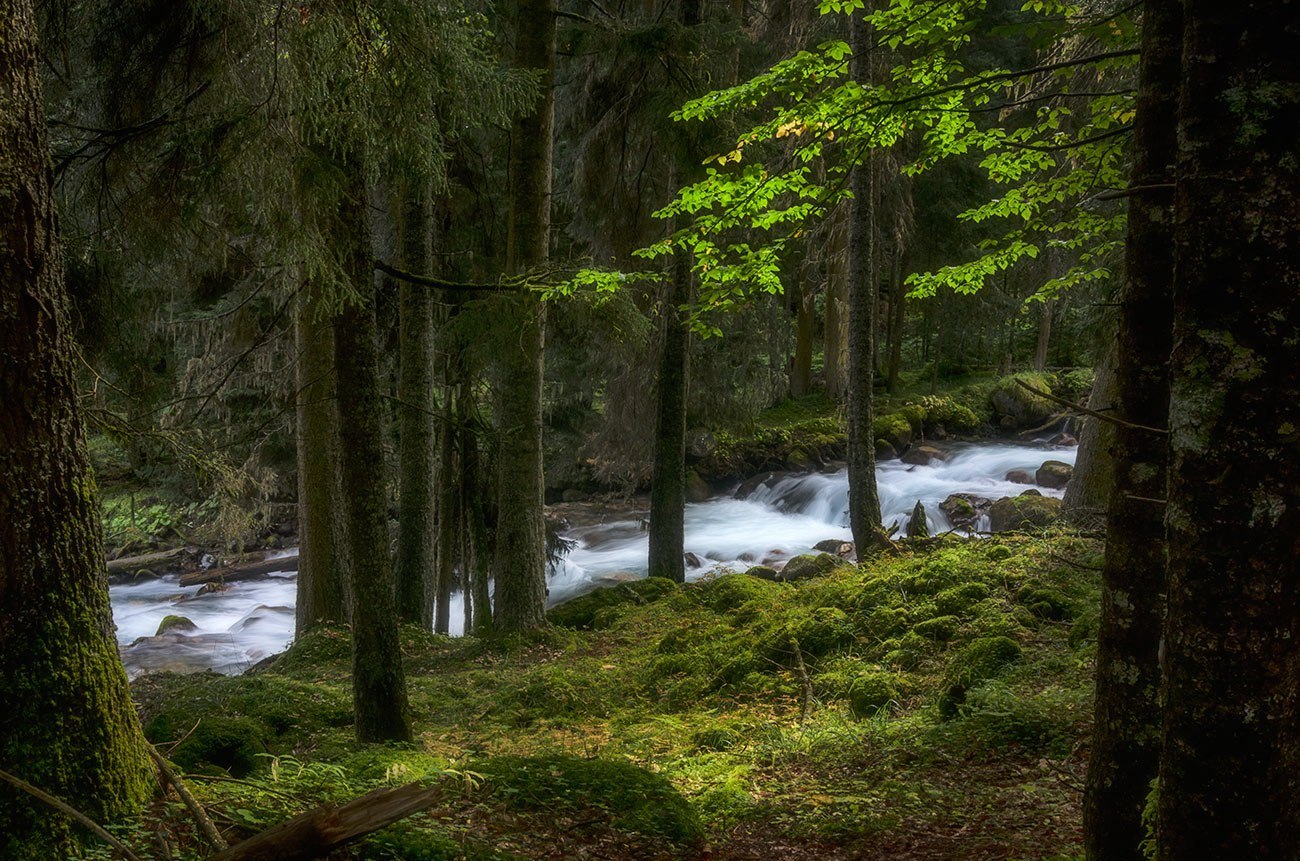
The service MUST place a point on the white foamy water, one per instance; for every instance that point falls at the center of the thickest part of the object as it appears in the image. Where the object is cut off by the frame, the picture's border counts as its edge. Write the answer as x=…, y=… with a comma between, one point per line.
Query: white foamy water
x=783, y=517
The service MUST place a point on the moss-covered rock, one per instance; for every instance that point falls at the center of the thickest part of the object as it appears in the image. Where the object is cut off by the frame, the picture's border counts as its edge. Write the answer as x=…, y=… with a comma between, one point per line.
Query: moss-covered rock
x=983, y=659
x=1016, y=407
x=808, y=566
x=600, y=609
x=175, y=624
x=1024, y=512
x=941, y=629
x=730, y=592
x=894, y=429
x=959, y=599
x=1054, y=474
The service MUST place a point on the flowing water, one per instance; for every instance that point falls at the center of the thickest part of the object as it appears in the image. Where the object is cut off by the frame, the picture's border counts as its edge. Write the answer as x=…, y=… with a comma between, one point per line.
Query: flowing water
x=779, y=517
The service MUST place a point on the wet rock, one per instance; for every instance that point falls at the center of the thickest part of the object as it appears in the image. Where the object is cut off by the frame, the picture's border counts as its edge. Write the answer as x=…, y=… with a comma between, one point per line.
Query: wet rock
x=1020, y=476
x=922, y=455
x=799, y=461
x=693, y=560
x=1054, y=474
x=1063, y=439
x=753, y=483
x=807, y=566
x=964, y=509
x=763, y=572
x=175, y=625
x=1027, y=511
x=917, y=526
x=697, y=489
x=214, y=586
x=837, y=546
x=885, y=451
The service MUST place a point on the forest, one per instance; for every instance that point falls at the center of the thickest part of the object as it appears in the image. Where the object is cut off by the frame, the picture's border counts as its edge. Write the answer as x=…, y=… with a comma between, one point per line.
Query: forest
x=649, y=429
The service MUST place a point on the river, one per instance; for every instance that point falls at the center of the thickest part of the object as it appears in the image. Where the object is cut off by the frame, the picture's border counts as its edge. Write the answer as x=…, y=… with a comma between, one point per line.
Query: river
x=783, y=516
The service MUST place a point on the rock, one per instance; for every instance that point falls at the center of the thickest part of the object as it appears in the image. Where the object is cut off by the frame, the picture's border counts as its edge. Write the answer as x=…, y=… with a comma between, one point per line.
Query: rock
x=1063, y=439
x=917, y=527
x=799, y=461
x=175, y=625
x=700, y=443
x=613, y=578
x=1054, y=474
x=885, y=451
x=837, y=546
x=1033, y=491
x=693, y=560
x=1020, y=476
x=214, y=586
x=807, y=566
x=754, y=482
x=1017, y=407
x=763, y=572
x=922, y=455
x=697, y=489
x=1027, y=511
x=964, y=509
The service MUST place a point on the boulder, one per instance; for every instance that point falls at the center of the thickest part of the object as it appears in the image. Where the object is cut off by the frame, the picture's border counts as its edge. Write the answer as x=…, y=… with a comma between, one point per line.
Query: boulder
x=964, y=509
x=917, y=526
x=1054, y=474
x=693, y=560
x=800, y=461
x=175, y=625
x=697, y=489
x=1063, y=439
x=807, y=566
x=922, y=455
x=1027, y=511
x=763, y=572
x=1016, y=407
x=1020, y=476
x=839, y=547
x=885, y=451
x=754, y=482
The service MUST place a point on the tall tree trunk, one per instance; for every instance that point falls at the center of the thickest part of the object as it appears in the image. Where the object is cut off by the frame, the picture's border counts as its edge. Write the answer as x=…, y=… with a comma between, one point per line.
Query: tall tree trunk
x=378, y=680
x=1045, y=310
x=520, y=563
x=864, y=499
x=897, y=317
x=837, y=299
x=1230, y=758
x=801, y=372
x=322, y=563
x=448, y=505
x=417, y=456
x=1125, y=743
x=1088, y=494
x=668, y=483
x=472, y=496
x=67, y=724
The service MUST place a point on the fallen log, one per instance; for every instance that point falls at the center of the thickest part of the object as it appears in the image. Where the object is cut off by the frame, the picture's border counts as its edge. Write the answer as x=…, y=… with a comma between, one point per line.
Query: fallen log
x=240, y=571
x=318, y=832
x=173, y=561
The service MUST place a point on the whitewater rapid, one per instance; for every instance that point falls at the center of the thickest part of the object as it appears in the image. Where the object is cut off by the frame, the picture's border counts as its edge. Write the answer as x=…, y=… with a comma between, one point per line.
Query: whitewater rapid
x=784, y=516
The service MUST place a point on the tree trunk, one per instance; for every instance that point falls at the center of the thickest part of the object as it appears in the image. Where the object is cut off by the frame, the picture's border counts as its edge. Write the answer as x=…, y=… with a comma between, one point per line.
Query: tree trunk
x=378, y=680
x=520, y=563
x=1093, y=480
x=67, y=724
x=837, y=298
x=864, y=500
x=472, y=497
x=801, y=372
x=322, y=565
x=417, y=456
x=1230, y=758
x=668, y=483
x=1045, y=310
x=897, y=317
x=448, y=513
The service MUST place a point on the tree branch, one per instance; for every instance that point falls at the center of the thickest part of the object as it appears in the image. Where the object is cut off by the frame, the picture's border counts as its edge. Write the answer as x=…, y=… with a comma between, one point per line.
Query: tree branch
x=1087, y=412
x=67, y=809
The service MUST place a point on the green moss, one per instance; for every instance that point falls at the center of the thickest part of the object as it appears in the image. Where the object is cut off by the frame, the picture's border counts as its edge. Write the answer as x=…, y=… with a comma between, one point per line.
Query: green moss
x=727, y=593
x=1045, y=603
x=871, y=692
x=809, y=565
x=894, y=429
x=959, y=599
x=940, y=629
x=631, y=797
x=602, y=608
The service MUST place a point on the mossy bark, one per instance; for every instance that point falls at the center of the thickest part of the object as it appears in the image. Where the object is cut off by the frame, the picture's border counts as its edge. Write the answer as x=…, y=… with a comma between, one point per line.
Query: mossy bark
x=837, y=300
x=378, y=680
x=1126, y=738
x=418, y=441
x=1230, y=757
x=1088, y=494
x=864, y=498
x=322, y=566
x=520, y=553
x=67, y=724
x=668, y=484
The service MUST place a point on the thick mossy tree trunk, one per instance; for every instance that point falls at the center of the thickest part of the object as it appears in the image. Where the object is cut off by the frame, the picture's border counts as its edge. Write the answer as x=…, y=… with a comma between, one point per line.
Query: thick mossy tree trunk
x=322, y=564
x=67, y=724
x=1230, y=757
x=378, y=681
x=864, y=499
x=418, y=452
x=1126, y=738
x=668, y=482
x=520, y=554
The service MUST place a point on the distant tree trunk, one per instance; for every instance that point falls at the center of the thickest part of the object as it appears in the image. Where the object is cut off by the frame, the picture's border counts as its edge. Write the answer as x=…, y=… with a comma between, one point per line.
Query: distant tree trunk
x=1230, y=759
x=1093, y=480
x=801, y=373
x=448, y=504
x=837, y=298
x=417, y=456
x=897, y=317
x=322, y=564
x=864, y=499
x=1126, y=740
x=67, y=724
x=1045, y=310
x=668, y=483
x=378, y=680
x=521, y=538
x=472, y=496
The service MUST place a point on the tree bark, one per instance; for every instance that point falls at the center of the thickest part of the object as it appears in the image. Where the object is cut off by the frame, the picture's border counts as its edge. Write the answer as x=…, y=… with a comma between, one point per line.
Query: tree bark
x=418, y=454
x=1088, y=494
x=864, y=499
x=322, y=565
x=378, y=680
x=801, y=372
x=520, y=562
x=1230, y=757
x=1045, y=310
x=448, y=511
x=667, y=536
x=897, y=317
x=67, y=724
x=837, y=298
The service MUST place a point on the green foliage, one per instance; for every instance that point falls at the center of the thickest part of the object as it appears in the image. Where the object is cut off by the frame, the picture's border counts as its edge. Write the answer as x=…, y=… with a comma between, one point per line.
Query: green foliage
x=600, y=609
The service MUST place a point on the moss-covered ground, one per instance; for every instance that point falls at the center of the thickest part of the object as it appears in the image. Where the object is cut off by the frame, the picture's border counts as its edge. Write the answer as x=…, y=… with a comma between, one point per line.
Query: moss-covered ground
x=930, y=704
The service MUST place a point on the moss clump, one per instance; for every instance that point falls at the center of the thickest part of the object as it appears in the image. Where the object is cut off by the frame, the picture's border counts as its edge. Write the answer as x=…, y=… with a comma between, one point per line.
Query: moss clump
x=175, y=623
x=1045, y=603
x=602, y=608
x=981, y=660
x=871, y=692
x=1025, y=512
x=1015, y=406
x=959, y=599
x=941, y=629
x=894, y=429
x=808, y=566
x=731, y=592
x=942, y=412
x=631, y=797
x=716, y=739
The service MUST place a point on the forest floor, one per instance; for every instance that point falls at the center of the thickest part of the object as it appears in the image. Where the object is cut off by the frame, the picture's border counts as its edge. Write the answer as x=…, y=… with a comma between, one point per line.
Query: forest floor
x=934, y=703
